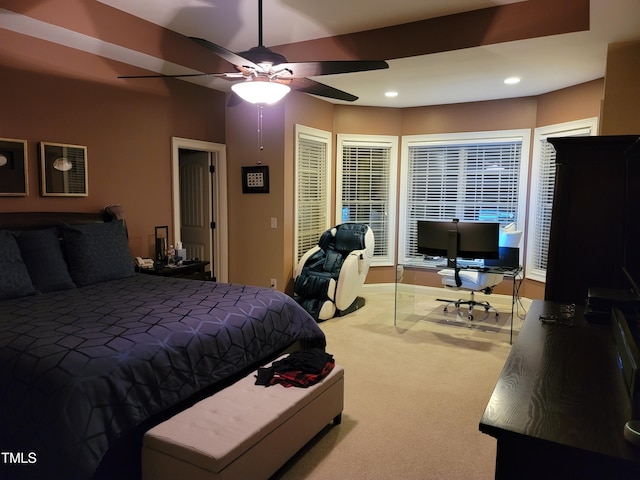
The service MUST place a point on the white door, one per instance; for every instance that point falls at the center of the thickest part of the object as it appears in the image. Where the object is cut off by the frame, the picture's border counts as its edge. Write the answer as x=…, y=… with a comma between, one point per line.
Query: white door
x=195, y=205
x=200, y=202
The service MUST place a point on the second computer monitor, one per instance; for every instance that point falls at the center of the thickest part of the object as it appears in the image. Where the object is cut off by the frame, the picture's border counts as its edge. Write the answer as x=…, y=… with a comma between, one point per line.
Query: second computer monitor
x=474, y=239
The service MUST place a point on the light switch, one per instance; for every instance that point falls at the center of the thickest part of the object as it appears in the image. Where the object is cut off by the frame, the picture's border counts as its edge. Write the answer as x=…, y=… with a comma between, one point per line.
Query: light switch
x=274, y=222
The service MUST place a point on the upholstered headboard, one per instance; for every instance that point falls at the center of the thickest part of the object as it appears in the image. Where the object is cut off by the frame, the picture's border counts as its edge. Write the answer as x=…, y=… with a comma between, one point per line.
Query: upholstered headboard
x=30, y=220
x=49, y=251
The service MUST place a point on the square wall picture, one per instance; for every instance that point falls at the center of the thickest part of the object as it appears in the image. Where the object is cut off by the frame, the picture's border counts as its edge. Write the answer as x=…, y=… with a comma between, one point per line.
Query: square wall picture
x=63, y=170
x=13, y=168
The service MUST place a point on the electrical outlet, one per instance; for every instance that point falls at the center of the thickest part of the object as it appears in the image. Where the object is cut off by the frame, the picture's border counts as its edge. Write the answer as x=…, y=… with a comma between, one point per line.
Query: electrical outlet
x=274, y=283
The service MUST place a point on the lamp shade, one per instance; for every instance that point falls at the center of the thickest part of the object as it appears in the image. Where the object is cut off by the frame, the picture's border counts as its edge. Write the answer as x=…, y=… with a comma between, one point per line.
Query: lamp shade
x=260, y=92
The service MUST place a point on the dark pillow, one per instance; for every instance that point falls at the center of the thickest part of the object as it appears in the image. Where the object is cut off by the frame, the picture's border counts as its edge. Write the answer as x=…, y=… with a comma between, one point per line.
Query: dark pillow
x=14, y=276
x=97, y=252
x=42, y=254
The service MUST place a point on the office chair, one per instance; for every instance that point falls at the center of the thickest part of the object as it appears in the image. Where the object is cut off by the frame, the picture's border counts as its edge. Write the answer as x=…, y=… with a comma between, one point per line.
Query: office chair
x=329, y=276
x=474, y=281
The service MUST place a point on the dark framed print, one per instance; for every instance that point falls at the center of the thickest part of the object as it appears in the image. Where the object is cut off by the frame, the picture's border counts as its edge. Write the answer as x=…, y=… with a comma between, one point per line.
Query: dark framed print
x=13, y=168
x=255, y=179
x=63, y=170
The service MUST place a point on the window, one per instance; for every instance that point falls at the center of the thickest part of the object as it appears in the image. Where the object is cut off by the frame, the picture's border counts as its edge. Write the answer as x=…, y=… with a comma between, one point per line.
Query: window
x=543, y=174
x=366, y=188
x=312, y=187
x=470, y=176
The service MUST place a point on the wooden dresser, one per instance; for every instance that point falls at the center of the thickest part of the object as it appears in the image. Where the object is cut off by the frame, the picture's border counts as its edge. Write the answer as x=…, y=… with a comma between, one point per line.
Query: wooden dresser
x=560, y=404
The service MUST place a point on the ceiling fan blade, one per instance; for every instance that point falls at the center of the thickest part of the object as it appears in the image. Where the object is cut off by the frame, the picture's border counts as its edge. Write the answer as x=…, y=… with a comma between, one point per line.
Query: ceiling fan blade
x=330, y=67
x=159, y=75
x=227, y=55
x=307, y=85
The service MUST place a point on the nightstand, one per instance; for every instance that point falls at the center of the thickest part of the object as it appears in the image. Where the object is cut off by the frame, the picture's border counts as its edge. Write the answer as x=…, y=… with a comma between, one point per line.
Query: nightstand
x=193, y=270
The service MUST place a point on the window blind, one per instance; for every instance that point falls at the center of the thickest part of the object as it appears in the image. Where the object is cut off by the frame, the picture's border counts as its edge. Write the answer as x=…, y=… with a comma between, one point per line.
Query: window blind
x=543, y=207
x=365, y=188
x=469, y=181
x=542, y=186
x=311, y=192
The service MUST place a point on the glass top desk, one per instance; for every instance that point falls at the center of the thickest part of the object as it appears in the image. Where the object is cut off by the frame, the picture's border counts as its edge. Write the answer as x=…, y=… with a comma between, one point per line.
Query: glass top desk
x=410, y=304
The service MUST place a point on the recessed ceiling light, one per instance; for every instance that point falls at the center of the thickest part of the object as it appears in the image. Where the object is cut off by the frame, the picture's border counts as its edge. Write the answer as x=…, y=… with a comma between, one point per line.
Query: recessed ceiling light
x=390, y=94
x=511, y=80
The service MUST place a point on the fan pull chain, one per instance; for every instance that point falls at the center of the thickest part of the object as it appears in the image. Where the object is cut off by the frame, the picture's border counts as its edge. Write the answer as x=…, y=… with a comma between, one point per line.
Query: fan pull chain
x=261, y=146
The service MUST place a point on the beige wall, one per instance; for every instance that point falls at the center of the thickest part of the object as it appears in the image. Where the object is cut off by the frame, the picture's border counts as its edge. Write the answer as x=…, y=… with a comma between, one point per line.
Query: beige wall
x=370, y=121
x=471, y=117
x=127, y=134
x=518, y=113
x=581, y=101
x=255, y=249
x=621, y=107
x=568, y=104
x=128, y=130
x=258, y=252
x=53, y=93
x=311, y=112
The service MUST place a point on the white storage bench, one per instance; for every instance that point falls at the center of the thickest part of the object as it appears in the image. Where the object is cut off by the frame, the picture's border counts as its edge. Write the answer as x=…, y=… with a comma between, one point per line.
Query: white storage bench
x=245, y=431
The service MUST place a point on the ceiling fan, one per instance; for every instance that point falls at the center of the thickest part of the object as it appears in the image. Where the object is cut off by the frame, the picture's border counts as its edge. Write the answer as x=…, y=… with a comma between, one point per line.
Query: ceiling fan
x=264, y=76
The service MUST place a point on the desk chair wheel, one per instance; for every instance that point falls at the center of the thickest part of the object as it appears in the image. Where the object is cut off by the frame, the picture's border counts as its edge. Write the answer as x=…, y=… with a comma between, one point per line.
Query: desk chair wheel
x=470, y=315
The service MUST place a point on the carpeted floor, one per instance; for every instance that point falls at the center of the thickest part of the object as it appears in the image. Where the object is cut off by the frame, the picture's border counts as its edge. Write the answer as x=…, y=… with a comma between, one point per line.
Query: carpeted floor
x=414, y=395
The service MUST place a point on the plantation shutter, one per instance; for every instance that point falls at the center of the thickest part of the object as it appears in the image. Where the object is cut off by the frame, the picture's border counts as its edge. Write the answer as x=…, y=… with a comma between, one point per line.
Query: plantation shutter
x=365, y=189
x=543, y=206
x=312, y=196
x=542, y=187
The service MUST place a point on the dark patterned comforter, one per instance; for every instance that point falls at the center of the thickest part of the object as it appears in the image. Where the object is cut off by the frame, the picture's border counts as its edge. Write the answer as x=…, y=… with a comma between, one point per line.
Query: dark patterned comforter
x=80, y=368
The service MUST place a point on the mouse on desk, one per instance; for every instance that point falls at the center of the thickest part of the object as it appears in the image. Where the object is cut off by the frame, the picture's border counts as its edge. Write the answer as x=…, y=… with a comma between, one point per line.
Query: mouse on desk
x=632, y=432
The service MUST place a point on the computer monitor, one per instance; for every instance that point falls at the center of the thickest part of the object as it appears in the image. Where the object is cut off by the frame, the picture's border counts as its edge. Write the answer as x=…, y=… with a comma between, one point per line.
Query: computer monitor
x=454, y=239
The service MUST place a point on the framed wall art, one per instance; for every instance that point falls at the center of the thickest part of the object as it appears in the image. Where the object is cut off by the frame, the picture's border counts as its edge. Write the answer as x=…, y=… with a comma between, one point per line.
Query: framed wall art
x=63, y=170
x=255, y=179
x=13, y=168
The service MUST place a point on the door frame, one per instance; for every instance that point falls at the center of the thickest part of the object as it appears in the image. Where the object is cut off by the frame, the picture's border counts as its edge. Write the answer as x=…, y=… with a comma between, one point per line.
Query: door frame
x=219, y=212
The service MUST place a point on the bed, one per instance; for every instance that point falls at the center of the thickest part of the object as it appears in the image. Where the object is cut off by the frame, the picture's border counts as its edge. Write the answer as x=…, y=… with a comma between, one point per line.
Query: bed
x=93, y=354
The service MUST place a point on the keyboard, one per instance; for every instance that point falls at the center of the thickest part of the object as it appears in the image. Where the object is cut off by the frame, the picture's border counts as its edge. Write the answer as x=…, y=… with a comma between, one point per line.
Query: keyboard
x=469, y=263
x=477, y=268
x=492, y=269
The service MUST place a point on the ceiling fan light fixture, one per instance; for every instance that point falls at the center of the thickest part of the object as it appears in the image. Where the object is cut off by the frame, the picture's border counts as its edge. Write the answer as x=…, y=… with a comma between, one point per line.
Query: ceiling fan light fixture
x=260, y=92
